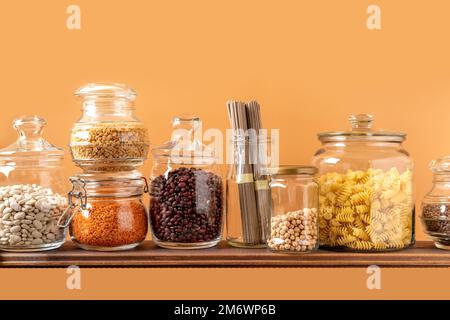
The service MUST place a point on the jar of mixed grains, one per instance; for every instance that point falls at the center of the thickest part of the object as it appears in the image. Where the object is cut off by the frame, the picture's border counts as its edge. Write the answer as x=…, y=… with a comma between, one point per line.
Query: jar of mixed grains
x=108, y=136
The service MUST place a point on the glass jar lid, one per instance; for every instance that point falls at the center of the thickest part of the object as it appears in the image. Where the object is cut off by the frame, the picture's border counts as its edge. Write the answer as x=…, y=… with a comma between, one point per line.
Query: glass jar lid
x=441, y=165
x=30, y=143
x=106, y=90
x=185, y=146
x=362, y=131
x=293, y=170
x=107, y=185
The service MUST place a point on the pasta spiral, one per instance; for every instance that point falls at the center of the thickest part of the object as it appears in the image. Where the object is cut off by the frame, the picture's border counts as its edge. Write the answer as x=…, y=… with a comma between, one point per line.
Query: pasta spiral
x=366, y=210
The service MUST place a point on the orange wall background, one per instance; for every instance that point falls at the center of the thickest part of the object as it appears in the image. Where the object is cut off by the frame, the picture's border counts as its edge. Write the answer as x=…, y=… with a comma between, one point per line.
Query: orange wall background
x=310, y=64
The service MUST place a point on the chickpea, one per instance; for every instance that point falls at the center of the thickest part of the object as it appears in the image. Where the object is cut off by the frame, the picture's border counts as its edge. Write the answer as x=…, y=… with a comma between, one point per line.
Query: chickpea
x=294, y=231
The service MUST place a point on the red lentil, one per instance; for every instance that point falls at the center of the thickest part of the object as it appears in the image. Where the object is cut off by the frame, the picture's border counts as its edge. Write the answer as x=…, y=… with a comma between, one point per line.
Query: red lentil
x=110, y=223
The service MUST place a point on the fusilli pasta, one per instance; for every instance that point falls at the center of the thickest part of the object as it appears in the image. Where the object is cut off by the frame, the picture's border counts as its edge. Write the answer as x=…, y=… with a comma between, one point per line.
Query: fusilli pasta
x=366, y=210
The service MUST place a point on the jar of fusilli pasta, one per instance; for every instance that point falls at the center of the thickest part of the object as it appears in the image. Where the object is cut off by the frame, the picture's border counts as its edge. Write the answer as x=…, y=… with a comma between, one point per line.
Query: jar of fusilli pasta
x=366, y=194
x=294, y=214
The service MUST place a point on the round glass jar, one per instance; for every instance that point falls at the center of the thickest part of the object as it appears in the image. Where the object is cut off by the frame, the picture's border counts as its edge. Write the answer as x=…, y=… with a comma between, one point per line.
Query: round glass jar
x=107, y=212
x=186, y=192
x=295, y=210
x=436, y=205
x=108, y=136
x=32, y=183
x=366, y=189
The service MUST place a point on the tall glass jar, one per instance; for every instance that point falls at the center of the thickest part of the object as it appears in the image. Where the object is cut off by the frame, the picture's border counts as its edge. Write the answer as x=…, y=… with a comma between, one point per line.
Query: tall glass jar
x=366, y=189
x=295, y=205
x=32, y=190
x=186, y=192
x=436, y=205
x=106, y=211
x=247, y=192
x=108, y=136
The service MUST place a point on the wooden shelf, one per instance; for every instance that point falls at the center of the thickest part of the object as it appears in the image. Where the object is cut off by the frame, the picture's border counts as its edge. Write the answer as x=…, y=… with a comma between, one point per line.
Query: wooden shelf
x=423, y=254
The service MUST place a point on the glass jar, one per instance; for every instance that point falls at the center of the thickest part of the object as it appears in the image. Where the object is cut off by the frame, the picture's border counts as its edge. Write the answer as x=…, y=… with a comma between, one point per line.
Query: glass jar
x=436, y=205
x=186, y=192
x=31, y=189
x=107, y=212
x=247, y=193
x=366, y=189
x=108, y=136
x=295, y=204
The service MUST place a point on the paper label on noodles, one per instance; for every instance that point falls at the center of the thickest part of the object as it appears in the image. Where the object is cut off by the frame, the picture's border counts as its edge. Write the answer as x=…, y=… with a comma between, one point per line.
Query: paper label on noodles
x=261, y=185
x=244, y=178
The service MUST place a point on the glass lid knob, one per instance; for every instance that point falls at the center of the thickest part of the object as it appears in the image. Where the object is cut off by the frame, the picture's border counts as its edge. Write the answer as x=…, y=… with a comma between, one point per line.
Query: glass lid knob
x=30, y=142
x=361, y=122
x=30, y=129
x=441, y=165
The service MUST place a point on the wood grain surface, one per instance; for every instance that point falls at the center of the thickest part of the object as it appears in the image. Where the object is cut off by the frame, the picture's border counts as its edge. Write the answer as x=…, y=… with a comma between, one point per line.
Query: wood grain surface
x=423, y=254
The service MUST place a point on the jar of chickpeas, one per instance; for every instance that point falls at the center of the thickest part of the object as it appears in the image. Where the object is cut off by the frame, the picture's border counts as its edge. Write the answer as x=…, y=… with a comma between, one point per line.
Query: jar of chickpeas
x=294, y=214
x=366, y=194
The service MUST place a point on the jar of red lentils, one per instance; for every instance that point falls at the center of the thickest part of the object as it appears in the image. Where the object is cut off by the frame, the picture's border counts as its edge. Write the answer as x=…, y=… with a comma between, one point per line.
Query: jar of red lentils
x=107, y=212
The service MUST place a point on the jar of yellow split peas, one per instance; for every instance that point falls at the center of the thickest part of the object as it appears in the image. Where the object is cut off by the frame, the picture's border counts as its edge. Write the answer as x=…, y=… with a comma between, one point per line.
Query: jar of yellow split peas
x=365, y=189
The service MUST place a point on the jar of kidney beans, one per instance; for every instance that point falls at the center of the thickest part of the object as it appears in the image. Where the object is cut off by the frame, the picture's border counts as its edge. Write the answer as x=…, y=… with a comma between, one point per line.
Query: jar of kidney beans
x=186, y=192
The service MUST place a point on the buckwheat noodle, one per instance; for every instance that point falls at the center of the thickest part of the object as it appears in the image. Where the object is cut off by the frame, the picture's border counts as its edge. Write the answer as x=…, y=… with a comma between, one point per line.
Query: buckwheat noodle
x=259, y=150
x=251, y=227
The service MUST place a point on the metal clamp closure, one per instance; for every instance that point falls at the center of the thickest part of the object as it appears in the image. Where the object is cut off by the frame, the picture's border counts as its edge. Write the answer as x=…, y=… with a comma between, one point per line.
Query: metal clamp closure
x=146, y=187
x=78, y=192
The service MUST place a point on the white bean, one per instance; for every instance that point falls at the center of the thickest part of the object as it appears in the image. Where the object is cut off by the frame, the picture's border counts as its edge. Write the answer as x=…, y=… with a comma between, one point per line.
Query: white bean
x=26, y=215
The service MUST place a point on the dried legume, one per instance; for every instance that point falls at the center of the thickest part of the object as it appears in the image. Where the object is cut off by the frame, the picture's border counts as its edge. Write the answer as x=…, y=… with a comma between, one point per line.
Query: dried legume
x=186, y=206
x=436, y=218
x=294, y=231
x=110, y=141
x=29, y=215
x=110, y=223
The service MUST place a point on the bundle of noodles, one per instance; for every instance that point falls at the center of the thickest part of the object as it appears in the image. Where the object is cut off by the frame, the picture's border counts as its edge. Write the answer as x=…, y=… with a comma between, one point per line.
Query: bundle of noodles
x=258, y=145
x=251, y=225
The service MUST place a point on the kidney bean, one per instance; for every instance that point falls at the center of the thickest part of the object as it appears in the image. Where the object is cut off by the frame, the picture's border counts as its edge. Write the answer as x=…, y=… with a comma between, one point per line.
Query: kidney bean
x=186, y=206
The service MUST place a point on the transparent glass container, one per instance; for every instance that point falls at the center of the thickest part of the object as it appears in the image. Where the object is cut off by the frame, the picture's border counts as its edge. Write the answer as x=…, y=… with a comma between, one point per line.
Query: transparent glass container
x=366, y=189
x=247, y=192
x=32, y=190
x=108, y=136
x=295, y=210
x=107, y=212
x=186, y=192
x=436, y=205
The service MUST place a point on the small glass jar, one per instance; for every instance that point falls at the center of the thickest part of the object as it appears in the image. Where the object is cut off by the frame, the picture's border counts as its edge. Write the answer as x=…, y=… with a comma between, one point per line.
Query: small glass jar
x=295, y=204
x=436, y=205
x=107, y=212
x=366, y=189
x=108, y=136
x=32, y=185
x=186, y=193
